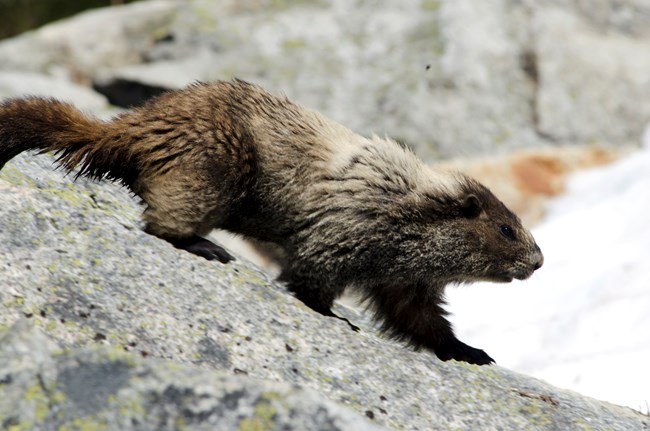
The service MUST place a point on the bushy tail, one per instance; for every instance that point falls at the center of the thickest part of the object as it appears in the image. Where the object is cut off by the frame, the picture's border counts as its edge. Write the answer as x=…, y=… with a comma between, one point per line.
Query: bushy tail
x=49, y=125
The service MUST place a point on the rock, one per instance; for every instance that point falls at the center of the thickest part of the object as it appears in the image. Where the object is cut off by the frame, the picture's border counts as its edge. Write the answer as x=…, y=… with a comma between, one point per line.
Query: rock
x=110, y=389
x=77, y=266
x=23, y=348
x=18, y=84
x=593, y=76
x=89, y=42
x=448, y=77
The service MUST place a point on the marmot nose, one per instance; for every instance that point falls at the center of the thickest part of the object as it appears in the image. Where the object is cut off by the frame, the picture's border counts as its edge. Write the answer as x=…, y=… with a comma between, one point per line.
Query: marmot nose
x=538, y=261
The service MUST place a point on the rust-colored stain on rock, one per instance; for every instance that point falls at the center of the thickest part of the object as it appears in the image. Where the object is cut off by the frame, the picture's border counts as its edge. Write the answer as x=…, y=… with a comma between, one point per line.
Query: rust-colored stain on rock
x=539, y=174
x=526, y=179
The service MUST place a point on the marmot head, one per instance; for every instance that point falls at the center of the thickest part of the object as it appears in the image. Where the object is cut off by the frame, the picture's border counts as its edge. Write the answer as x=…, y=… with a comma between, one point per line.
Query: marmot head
x=452, y=234
x=473, y=236
x=502, y=249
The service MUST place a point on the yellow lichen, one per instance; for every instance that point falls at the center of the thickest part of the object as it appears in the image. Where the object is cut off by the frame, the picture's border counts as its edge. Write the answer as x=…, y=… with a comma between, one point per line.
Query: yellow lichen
x=265, y=414
x=35, y=395
x=87, y=424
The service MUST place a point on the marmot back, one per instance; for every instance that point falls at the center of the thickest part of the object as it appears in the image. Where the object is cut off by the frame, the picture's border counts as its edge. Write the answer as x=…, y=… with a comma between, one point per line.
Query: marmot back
x=346, y=210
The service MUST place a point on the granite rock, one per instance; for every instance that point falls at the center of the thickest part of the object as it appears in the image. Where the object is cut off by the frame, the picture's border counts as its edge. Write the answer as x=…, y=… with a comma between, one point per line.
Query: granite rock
x=47, y=388
x=77, y=266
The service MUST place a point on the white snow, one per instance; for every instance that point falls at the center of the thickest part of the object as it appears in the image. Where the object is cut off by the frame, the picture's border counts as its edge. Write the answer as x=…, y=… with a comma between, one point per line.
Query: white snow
x=582, y=322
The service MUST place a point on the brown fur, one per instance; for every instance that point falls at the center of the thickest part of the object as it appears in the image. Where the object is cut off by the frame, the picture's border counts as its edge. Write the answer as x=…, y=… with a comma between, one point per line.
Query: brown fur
x=346, y=210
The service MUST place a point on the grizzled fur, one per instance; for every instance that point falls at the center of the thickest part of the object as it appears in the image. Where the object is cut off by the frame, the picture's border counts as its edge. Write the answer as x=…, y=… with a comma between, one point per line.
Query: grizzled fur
x=346, y=210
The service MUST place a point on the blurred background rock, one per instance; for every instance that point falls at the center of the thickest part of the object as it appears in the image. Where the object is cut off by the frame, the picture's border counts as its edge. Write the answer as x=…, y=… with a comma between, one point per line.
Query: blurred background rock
x=449, y=78
x=22, y=15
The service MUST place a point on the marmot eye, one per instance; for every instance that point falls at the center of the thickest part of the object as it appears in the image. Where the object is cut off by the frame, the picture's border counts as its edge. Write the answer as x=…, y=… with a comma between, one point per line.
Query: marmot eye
x=507, y=231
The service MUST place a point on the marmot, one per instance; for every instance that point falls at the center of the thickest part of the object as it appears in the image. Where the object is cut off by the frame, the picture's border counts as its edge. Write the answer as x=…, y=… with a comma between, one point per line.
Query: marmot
x=345, y=209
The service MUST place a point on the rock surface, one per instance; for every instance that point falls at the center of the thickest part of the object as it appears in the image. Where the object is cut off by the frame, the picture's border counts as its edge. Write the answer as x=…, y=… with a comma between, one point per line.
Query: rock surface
x=450, y=77
x=15, y=84
x=76, y=265
x=593, y=71
x=102, y=388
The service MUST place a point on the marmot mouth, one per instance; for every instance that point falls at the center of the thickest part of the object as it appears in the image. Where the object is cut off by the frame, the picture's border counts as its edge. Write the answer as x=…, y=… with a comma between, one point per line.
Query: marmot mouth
x=502, y=277
x=521, y=274
x=508, y=276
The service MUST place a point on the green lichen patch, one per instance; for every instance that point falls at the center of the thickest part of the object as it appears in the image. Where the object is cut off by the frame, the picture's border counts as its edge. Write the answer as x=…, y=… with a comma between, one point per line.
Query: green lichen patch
x=13, y=175
x=264, y=414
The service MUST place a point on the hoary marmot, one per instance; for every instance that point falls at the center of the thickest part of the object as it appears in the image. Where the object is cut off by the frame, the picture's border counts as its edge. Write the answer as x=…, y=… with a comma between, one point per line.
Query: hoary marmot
x=345, y=209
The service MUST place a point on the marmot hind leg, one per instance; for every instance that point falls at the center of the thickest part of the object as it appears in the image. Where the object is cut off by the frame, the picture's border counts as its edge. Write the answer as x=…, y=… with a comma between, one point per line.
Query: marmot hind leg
x=181, y=211
x=198, y=246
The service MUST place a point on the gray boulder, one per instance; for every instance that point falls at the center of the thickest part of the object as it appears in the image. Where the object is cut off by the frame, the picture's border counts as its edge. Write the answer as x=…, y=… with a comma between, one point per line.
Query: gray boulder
x=76, y=265
x=593, y=73
x=101, y=388
x=451, y=77
x=91, y=41
x=20, y=84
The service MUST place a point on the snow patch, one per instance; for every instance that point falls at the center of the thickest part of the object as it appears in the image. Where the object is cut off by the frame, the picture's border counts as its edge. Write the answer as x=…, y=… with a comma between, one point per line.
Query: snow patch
x=582, y=321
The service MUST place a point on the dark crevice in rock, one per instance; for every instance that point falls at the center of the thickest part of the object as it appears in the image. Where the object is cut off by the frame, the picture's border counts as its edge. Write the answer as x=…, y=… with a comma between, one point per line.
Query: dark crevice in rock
x=529, y=64
x=127, y=93
x=46, y=391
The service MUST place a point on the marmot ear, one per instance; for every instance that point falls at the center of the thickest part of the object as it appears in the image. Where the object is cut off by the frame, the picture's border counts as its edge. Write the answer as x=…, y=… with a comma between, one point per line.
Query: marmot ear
x=471, y=206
